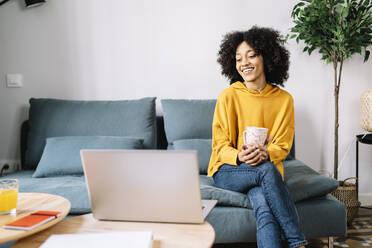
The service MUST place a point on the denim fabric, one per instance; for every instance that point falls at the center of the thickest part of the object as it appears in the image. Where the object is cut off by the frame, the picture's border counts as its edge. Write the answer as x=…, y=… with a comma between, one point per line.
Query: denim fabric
x=270, y=199
x=302, y=183
x=268, y=229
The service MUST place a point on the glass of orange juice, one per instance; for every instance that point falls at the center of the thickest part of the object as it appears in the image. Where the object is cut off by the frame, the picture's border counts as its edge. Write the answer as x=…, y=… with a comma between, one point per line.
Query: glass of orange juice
x=8, y=196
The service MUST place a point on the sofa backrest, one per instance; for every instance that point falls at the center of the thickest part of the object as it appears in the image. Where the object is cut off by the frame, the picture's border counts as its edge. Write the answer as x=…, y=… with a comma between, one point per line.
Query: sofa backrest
x=161, y=137
x=187, y=119
x=58, y=118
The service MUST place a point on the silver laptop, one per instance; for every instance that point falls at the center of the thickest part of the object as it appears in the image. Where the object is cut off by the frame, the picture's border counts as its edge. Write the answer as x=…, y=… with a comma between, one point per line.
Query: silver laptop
x=145, y=185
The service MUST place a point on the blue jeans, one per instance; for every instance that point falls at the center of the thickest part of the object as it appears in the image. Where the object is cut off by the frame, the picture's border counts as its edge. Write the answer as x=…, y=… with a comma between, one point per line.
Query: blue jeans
x=272, y=205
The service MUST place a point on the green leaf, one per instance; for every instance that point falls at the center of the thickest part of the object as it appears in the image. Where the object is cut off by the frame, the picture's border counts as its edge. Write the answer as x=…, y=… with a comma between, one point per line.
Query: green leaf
x=333, y=26
x=300, y=4
x=293, y=36
x=311, y=49
x=324, y=57
x=286, y=37
x=366, y=55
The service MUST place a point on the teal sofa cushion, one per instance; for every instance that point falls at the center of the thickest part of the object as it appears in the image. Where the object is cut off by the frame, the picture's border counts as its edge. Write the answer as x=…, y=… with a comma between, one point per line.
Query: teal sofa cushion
x=302, y=182
x=188, y=119
x=225, y=197
x=202, y=146
x=232, y=224
x=319, y=217
x=209, y=191
x=56, y=118
x=73, y=188
x=322, y=215
x=61, y=155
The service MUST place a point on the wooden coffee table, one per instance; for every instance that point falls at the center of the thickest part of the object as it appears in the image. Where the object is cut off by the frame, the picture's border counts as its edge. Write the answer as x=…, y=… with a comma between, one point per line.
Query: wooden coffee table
x=164, y=235
x=29, y=203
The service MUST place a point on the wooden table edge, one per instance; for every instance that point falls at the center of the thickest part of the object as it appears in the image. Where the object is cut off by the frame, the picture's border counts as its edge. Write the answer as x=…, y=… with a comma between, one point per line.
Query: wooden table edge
x=214, y=234
x=40, y=228
x=212, y=238
x=208, y=242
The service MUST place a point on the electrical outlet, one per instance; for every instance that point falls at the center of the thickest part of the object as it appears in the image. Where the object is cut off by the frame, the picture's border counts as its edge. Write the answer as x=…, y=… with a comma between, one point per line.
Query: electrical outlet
x=14, y=165
x=14, y=80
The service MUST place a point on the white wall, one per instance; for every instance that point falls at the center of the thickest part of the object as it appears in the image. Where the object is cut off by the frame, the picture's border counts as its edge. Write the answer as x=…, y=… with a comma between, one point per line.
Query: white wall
x=115, y=49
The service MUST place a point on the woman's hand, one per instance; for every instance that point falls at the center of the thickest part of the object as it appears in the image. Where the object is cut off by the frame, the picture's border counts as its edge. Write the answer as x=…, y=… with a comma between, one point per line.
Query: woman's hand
x=249, y=154
x=253, y=155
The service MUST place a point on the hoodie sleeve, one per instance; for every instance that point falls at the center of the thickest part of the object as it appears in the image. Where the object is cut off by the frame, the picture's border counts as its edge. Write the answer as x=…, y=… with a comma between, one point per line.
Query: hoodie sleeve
x=282, y=140
x=223, y=134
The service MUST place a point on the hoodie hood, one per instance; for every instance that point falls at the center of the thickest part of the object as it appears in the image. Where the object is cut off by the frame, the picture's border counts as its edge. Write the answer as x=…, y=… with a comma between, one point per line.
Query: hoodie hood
x=268, y=91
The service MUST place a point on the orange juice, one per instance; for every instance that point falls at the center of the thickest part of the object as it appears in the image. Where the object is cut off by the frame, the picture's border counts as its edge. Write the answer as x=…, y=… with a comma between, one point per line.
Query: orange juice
x=8, y=200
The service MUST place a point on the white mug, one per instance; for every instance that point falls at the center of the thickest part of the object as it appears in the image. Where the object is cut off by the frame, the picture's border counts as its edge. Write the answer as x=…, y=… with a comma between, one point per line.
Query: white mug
x=255, y=136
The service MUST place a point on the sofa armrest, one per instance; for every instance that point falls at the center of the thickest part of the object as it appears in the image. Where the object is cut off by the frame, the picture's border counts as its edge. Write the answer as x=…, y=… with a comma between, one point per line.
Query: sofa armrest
x=24, y=133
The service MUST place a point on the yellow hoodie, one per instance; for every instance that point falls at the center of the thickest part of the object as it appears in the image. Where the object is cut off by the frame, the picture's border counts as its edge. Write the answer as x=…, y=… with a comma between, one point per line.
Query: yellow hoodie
x=238, y=107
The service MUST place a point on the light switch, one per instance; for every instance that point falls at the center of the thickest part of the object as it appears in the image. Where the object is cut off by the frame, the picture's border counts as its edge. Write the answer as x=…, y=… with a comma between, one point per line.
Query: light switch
x=14, y=80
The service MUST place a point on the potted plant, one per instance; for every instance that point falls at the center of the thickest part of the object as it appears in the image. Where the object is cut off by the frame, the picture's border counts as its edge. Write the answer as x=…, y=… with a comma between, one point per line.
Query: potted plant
x=338, y=29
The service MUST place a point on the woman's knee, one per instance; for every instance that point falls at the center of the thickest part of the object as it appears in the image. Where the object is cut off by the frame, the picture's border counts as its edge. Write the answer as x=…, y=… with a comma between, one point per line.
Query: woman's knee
x=269, y=168
x=258, y=200
x=236, y=178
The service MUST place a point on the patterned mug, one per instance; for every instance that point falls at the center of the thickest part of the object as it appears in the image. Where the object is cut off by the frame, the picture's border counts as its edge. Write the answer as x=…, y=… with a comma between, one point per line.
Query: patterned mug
x=255, y=136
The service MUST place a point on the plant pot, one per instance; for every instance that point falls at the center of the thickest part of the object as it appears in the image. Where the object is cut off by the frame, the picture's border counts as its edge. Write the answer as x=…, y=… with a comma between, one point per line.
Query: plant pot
x=347, y=194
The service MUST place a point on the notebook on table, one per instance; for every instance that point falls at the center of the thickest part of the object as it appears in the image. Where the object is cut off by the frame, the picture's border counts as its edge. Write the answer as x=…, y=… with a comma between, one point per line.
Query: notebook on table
x=145, y=185
x=141, y=239
x=32, y=220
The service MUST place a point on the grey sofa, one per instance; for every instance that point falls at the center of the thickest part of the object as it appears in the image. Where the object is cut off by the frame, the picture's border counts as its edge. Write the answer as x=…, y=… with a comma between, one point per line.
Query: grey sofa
x=186, y=125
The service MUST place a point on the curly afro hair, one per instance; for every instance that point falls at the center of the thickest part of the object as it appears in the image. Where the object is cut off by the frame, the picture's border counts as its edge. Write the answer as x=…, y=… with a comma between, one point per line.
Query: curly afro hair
x=266, y=42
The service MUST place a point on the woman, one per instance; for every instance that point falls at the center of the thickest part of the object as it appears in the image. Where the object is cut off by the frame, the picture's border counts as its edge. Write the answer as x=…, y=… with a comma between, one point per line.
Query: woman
x=256, y=61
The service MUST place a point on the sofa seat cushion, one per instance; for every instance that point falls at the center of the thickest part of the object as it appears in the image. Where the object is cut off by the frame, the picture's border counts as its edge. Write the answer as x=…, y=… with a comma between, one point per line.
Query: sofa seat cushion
x=56, y=118
x=70, y=187
x=61, y=155
x=224, y=197
x=232, y=224
x=322, y=216
x=319, y=217
x=303, y=183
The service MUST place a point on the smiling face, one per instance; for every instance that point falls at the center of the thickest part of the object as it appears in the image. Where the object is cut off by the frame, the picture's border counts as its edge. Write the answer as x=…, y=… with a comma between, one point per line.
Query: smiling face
x=249, y=64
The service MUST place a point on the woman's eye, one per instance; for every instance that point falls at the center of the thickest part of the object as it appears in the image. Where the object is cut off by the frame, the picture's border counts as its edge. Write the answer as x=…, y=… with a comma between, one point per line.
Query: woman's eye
x=238, y=60
x=253, y=56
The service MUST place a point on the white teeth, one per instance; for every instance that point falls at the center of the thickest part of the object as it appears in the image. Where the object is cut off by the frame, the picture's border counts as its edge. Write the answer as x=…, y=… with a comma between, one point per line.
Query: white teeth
x=247, y=70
